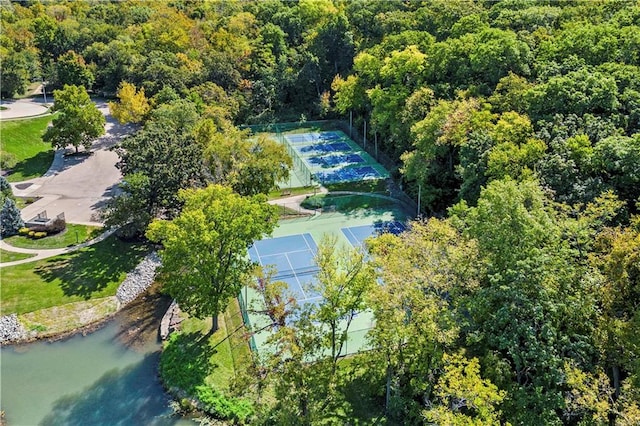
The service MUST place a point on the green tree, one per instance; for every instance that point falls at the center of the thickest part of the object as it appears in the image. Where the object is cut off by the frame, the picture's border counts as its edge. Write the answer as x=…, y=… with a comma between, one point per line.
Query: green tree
x=15, y=73
x=78, y=121
x=307, y=341
x=249, y=166
x=344, y=280
x=535, y=308
x=156, y=163
x=71, y=69
x=617, y=160
x=462, y=396
x=617, y=257
x=204, y=259
x=426, y=272
x=10, y=219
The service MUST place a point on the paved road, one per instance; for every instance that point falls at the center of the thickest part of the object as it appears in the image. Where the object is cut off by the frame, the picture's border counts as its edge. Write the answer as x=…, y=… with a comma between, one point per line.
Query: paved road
x=27, y=107
x=77, y=186
x=74, y=185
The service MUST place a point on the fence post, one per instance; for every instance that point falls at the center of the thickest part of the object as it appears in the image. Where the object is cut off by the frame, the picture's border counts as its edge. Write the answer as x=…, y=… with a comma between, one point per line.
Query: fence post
x=364, y=136
x=375, y=138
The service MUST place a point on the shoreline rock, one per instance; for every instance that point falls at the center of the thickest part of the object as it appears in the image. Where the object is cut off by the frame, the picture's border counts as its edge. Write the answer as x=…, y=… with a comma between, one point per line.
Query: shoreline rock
x=11, y=329
x=136, y=283
x=138, y=280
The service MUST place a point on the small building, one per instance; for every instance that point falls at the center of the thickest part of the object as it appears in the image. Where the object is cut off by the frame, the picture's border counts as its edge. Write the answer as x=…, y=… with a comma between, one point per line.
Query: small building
x=42, y=220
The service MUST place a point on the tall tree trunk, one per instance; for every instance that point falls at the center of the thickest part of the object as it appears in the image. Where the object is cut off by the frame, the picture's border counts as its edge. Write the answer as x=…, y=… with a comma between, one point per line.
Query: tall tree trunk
x=616, y=381
x=387, y=399
x=214, y=322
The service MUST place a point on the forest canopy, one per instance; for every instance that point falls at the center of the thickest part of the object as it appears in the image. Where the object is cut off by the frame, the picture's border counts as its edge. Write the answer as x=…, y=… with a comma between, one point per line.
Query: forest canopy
x=518, y=121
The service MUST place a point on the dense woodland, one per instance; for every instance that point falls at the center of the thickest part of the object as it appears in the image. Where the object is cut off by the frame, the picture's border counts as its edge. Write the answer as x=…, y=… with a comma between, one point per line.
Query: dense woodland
x=519, y=122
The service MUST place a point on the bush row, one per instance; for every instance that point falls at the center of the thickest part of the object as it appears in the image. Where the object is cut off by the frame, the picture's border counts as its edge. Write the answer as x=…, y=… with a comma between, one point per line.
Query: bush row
x=32, y=234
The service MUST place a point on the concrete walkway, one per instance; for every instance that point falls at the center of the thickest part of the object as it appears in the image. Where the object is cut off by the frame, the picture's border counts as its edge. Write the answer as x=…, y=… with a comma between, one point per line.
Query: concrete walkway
x=294, y=202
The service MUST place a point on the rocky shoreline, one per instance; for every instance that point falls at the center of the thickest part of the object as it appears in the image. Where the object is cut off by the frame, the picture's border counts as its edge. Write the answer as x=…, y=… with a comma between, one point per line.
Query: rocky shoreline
x=136, y=282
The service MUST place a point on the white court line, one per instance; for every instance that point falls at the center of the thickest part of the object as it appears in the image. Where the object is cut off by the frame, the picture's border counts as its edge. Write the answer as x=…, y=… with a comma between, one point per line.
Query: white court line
x=295, y=275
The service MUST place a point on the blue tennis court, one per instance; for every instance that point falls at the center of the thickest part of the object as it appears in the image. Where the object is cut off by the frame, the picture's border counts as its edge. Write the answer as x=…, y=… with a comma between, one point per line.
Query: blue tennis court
x=331, y=136
x=313, y=137
x=335, y=160
x=325, y=148
x=293, y=258
x=357, y=234
x=350, y=174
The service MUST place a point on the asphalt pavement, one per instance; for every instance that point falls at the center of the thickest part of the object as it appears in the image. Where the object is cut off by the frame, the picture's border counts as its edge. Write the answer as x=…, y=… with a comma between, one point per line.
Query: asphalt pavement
x=76, y=185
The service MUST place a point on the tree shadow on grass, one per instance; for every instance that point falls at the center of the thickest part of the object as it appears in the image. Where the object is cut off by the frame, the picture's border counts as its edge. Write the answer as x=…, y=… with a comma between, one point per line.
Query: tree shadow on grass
x=90, y=270
x=34, y=166
x=129, y=396
x=186, y=361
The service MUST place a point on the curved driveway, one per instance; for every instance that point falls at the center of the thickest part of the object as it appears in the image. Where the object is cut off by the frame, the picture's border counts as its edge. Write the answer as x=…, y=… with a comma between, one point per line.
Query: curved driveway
x=77, y=186
x=22, y=108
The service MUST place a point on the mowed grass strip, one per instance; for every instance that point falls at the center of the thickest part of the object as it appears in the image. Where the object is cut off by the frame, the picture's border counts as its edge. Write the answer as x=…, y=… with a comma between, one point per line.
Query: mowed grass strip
x=90, y=273
x=10, y=256
x=23, y=139
x=74, y=234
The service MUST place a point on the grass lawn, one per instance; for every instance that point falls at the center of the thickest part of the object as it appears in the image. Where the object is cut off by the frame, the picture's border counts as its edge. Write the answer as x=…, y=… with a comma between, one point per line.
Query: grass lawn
x=90, y=273
x=224, y=354
x=23, y=139
x=204, y=365
x=10, y=256
x=345, y=203
x=60, y=319
x=22, y=202
x=369, y=185
x=63, y=239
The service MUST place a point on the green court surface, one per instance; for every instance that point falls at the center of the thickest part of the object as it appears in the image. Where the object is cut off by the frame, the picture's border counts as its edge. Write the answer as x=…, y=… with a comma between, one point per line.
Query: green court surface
x=291, y=256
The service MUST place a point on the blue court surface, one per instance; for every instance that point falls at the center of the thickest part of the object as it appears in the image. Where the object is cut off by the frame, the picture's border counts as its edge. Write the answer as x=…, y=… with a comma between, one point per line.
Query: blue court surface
x=357, y=234
x=335, y=160
x=323, y=148
x=292, y=257
x=350, y=174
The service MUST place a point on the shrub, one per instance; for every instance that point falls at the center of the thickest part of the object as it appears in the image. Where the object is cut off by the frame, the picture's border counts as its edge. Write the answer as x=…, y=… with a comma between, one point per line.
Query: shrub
x=24, y=231
x=10, y=219
x=38, y=235
x=5, y=188
x=58, y=225
x=222, y=406
x=7, y=160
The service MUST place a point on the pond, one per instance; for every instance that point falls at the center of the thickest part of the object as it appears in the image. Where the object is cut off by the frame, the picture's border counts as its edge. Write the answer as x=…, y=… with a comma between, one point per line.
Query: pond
x=108, y=377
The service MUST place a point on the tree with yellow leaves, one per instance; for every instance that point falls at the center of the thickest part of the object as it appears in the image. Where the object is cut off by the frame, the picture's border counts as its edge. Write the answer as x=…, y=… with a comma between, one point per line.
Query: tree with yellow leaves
x=133, y=105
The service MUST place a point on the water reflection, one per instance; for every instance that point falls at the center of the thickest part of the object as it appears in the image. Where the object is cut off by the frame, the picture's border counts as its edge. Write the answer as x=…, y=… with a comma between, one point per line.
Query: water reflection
x=120, y=397
x=108, y=377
